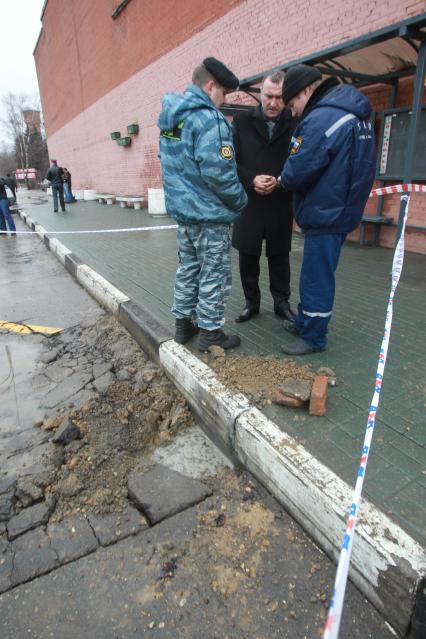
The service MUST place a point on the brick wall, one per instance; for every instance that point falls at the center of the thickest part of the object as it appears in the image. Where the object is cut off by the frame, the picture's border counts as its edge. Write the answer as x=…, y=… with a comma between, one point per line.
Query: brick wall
x=82, y=53
x=251, y=36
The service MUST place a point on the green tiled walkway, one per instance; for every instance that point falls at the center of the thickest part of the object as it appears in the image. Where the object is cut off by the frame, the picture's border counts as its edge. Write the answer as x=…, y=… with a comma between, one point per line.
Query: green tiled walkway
x=143, y=265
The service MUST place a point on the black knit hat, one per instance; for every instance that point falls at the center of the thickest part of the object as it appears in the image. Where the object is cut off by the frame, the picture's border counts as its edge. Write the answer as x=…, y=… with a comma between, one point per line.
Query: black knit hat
x=221, y=73
x=297, y=78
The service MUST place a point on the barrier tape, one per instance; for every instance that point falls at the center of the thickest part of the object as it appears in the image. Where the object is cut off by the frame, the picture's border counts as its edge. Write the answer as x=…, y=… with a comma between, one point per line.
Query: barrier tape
x=399, y=188
x=138, y=228
x=332, y=625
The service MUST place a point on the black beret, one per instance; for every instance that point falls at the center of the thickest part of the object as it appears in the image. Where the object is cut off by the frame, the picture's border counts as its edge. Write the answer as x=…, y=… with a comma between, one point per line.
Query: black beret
x=221, y=73
x=297, y=78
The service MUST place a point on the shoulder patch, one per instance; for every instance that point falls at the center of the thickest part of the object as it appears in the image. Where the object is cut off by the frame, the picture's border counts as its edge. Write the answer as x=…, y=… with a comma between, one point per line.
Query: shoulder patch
x=226, y=152
x=296, y=144
x=176, y=134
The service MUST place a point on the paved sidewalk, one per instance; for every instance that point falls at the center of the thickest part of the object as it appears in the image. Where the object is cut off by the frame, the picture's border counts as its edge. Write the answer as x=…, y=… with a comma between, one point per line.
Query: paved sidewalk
x=143, y=266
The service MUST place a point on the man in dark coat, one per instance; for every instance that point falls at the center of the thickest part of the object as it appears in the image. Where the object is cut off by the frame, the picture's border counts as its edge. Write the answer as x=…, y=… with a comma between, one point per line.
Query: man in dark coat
x=55, y=175
x=261, y=139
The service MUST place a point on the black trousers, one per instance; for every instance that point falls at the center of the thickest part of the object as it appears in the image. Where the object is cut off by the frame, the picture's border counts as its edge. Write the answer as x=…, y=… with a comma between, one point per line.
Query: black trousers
x=279, y=277
x=58, y=189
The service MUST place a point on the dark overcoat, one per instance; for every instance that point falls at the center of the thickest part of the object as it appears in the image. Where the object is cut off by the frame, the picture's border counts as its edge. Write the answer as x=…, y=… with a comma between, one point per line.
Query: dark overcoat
x=266, y=217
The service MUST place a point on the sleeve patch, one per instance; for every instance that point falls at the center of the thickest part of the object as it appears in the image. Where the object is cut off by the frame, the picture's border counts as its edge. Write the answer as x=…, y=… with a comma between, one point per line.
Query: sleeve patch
x=226, y=152
x=296, y=144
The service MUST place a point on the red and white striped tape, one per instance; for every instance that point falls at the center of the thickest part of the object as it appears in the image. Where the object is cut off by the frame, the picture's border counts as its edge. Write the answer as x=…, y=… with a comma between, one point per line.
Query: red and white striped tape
x=332, y=626
x=399, y=188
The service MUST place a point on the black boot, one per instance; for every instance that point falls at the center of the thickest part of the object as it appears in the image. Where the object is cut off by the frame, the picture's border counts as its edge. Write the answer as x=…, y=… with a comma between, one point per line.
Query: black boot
x=185, y=329
x=217, y=338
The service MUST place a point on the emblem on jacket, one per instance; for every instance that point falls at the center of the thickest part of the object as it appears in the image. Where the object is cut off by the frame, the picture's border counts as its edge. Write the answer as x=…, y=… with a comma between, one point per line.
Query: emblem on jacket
x=226, y=152
x=296, y=144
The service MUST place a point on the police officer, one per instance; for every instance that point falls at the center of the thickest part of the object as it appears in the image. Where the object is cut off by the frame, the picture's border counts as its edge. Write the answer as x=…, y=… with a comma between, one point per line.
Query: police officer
x=330, y=170
x=204, y=195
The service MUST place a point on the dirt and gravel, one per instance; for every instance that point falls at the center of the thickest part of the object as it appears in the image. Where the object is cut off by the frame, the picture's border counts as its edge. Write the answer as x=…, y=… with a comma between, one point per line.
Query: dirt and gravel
x=136, y=410
x=258, y=377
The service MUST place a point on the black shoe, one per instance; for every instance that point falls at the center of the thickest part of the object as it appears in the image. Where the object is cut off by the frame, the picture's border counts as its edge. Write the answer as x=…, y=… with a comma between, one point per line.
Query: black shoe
x=283, y=310
x=55, y=210
x=290, y=327
x=300, y=347
x=185, y=329
x=247, y=313
x=217, y=338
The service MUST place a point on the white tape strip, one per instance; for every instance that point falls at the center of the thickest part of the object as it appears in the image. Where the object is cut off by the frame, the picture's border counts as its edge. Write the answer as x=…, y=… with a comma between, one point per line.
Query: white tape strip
x=131, y=230
x=332, y=626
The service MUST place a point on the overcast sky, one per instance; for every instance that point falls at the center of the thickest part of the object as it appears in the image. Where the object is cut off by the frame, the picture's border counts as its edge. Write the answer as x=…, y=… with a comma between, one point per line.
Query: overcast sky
x=20, y=29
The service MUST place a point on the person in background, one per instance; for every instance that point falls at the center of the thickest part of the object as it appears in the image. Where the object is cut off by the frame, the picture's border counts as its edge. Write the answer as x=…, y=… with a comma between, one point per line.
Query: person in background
x=330, y=169
x=55, y=177
x=12, y=184
x=69, y=197
x=5, y=214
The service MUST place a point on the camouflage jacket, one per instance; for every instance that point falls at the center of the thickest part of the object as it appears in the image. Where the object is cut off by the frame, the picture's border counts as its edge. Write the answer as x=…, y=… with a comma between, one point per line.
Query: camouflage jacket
x=197, y=160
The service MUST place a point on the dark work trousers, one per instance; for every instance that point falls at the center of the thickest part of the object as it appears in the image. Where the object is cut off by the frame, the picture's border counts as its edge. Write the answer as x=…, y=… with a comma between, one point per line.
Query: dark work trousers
x=279, y=277
x=58, y=189
x=317, y=286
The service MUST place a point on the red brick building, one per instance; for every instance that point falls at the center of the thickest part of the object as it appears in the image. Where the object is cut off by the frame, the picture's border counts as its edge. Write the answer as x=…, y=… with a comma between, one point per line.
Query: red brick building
x=105, y=64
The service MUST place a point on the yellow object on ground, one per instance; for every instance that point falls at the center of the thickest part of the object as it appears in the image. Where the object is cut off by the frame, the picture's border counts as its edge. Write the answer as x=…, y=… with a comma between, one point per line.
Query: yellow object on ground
x=27, y=329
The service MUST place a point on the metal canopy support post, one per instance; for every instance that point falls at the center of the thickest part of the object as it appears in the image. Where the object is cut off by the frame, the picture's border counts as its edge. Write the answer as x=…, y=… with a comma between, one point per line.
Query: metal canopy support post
x=413, y=129
x=381, y=199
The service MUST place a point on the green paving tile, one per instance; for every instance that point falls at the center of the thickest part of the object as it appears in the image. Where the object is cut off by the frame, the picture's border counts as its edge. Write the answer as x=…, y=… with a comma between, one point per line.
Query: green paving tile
x=421, y=479
x=411, y=448
x=143, y=265
x=350, y=445
x=383, y=434
x=386, y=483
x=394, y=421
x=341, y=410
x=405, y=464
x=409, y=504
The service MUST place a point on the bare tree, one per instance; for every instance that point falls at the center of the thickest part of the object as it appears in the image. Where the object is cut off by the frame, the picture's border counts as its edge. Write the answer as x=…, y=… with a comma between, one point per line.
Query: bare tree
x=23, y=122
x=7, y=159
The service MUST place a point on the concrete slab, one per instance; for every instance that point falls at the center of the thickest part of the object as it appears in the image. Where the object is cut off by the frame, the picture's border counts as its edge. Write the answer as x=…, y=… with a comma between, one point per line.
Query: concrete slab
x=66, y=389
x=162, y=492
x=190, y=577
x=28, y=519
x=33, y=556
x=111, y=528
x=71, y=538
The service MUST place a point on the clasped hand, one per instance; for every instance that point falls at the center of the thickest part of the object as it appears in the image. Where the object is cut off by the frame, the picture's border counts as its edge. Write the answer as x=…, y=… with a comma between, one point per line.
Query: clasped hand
x=264, y=184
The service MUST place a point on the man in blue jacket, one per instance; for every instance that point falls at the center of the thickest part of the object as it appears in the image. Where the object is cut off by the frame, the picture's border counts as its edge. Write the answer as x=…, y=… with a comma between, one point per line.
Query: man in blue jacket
x=204, y=195
x=330, y=169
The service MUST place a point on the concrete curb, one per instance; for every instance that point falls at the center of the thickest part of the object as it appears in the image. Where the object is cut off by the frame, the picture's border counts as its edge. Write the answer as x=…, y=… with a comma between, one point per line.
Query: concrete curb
x=144, y=327
x=102, y=290
x=387, y=564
